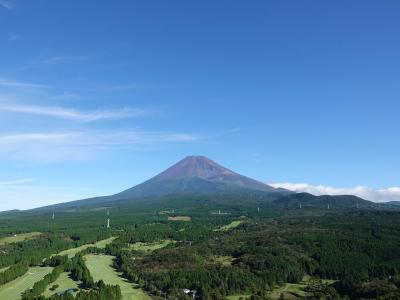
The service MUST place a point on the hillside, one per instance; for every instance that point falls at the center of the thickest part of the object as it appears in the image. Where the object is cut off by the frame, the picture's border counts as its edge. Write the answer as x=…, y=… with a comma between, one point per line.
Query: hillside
x=305, y=200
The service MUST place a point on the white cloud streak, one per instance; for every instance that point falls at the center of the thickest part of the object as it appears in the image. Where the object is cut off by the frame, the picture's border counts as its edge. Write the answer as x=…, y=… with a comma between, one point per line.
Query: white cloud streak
x=82, y=145
x=7, y=4
x=16, y=182
x=67, y=96
x=71, y=114
x=376, y=195
x=13, y=37
x=62, y=59
x=30, y=196
x=4, y=82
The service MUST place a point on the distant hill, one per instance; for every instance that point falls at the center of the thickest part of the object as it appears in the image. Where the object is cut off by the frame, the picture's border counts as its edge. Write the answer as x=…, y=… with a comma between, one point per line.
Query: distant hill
x=306, y=200
x=193, y=175
x=391, y=203
x=9, y=212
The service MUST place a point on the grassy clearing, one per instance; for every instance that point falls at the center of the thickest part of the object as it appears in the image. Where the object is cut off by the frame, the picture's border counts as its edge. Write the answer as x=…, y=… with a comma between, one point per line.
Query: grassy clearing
x=100, y=244
x=166, y=212
x=148, y=247
x=296, y=289
x=19, y=238
x=224, y=260
x=180, y=218
x=100, y=267
x=230, y=226
x=3, y=269
x=64, y=283
x=13, y=289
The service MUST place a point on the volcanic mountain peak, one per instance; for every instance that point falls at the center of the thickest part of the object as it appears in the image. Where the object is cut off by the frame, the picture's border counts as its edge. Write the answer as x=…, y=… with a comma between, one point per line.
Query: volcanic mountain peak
x=193, y=175
x=196, y=166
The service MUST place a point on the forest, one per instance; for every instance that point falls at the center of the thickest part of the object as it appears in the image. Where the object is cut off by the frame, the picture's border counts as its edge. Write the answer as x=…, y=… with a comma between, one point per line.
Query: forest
x=219, y=252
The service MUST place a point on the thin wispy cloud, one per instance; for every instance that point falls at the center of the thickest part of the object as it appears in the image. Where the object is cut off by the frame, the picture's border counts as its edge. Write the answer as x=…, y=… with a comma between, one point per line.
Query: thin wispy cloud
x=13, y=37
x=72, y=114
x=16, y=95
x=67, y=96
x=82, y=145
x=376, y=195
x=62, y=59
x=119, y=88
x=7, y=4
x=17, y=182
x=4, y=82
x=32, y=195
x=95, y=138
x=71, y=135
x=57, y=60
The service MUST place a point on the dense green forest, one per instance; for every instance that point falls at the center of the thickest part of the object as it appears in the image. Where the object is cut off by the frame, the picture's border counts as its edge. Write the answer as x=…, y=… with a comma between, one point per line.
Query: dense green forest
x=343, y=253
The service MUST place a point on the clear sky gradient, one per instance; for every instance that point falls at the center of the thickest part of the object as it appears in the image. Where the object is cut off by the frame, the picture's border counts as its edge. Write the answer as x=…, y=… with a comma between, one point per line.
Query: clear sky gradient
x=97, y=96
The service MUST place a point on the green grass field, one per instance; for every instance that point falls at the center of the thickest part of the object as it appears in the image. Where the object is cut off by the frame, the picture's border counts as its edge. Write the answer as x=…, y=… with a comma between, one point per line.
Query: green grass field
x=180, y=218
x=224, y=260
x=100, y=244
x=291, y=288
x=296, y=289
x=148, y=247
x=100, y=267
x=64, y=283
x=13, y=289
x=230, y=226
x=19, y=238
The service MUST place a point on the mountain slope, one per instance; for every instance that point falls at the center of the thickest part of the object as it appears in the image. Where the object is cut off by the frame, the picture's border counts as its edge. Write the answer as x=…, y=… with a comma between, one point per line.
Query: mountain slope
x=192, y=175
x=204, y=168
x=196, y=174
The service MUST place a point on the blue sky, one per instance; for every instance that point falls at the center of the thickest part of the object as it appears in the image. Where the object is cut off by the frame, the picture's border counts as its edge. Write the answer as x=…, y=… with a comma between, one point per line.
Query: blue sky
x=97, y=96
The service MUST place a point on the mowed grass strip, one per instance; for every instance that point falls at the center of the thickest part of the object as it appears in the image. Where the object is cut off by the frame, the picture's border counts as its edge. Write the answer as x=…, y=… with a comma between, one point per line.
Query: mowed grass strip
x=180, y=218
x=13, y=289
x=100, y=244
x=230, y=226
x=100, y=267
x=19, y=238
x=148, y=247
x=64, y=283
